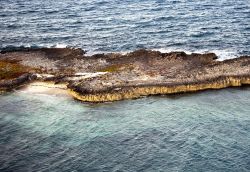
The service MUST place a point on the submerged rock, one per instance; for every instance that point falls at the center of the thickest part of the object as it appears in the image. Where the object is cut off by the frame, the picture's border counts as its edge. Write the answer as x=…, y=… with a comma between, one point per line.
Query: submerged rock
x=110, y=77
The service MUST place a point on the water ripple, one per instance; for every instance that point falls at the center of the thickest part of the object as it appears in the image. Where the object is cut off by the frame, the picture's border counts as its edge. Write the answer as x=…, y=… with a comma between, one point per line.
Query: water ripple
x=192, y=132
x=128, y=25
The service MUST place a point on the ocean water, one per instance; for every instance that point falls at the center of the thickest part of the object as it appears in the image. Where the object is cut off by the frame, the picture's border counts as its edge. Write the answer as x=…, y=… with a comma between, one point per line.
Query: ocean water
x=221, y=26
x=206, y=131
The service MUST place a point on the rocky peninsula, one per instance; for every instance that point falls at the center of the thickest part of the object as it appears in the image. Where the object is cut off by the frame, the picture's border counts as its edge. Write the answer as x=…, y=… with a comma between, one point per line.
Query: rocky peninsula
x=114, y=76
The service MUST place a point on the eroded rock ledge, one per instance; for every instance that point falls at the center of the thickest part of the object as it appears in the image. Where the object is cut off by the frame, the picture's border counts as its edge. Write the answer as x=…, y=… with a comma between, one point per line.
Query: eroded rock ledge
x=110, y=77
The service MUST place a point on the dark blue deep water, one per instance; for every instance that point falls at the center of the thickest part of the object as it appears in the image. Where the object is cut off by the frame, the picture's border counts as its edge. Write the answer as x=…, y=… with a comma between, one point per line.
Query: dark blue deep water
x=207, y=131
x=220, y=26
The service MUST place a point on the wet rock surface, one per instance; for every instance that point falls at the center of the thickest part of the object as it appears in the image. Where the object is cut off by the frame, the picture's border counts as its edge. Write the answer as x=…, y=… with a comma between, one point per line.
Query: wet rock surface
x=109, y=77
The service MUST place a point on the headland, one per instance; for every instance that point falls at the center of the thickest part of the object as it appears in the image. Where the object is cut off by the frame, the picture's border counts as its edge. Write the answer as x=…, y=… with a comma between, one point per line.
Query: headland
x=114, y=76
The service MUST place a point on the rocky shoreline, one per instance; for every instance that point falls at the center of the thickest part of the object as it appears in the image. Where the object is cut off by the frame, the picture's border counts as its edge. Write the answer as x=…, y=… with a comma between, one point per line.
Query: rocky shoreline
x=113, y=76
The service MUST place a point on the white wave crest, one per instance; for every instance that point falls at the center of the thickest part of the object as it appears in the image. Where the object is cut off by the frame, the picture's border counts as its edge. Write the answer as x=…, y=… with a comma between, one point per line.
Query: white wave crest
x=222, y=54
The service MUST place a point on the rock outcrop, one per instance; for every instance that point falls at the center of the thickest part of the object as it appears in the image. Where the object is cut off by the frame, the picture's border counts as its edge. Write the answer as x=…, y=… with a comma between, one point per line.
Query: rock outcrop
x=111, y=77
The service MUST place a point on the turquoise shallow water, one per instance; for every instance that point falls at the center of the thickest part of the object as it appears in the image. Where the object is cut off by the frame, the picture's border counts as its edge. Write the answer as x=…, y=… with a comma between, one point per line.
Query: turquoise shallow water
x=207, y=131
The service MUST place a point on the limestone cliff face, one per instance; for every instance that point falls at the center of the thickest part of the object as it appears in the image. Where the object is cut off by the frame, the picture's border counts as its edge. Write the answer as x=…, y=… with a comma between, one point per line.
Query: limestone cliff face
x=137, y=92
x=111, y=77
